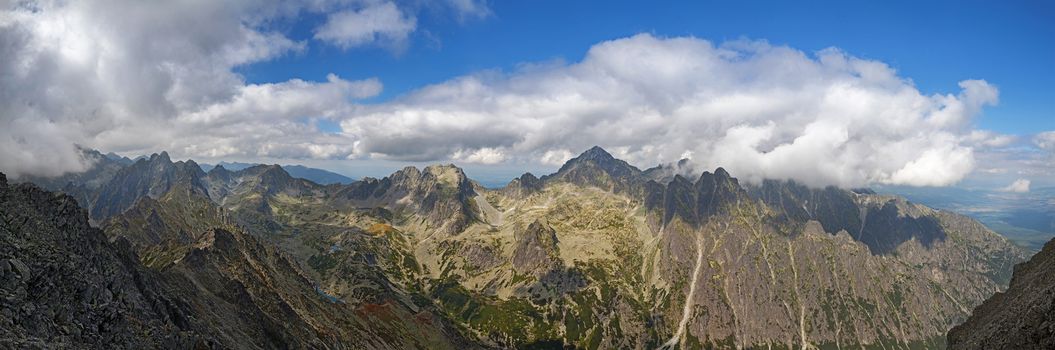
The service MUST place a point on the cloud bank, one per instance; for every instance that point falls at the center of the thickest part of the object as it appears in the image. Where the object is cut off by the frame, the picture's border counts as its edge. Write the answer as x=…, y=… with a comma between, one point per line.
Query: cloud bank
x=761, y=111
x=133, y=77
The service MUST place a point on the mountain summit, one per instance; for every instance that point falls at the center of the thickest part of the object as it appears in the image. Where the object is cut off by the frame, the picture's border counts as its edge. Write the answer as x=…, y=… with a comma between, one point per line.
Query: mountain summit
x=597, y=167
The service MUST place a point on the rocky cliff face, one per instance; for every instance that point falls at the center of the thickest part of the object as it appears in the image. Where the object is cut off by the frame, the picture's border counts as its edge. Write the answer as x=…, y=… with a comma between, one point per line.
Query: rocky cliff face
x=1023, y=317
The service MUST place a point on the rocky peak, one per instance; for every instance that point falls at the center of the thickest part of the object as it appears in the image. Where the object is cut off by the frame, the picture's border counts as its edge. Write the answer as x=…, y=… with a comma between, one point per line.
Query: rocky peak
x=272, y=174
x=716, y=192
x=597, y=167
x=272, y=179
x=598, y=154
x=598, y=157
x=679, y=201
x=528, y=180
x=693, y=203
x=448, y=175
x=162, y=157
x=220, y=173
x=410, y=172
x=117, y=158
x=151, y=177
x=524, y=185
x=834, y=208
x=442, y=194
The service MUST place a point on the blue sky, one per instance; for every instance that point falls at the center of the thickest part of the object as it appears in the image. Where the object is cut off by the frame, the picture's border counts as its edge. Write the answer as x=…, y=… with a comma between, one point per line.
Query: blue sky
x=1010, y=44
x=845, y=93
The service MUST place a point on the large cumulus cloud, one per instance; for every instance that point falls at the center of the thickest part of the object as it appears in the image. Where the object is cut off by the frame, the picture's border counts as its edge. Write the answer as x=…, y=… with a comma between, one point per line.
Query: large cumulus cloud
x=760, y=110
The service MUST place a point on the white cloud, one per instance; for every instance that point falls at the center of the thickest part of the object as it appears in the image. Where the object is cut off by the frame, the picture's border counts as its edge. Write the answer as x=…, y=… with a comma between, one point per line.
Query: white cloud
x=759, y=110
x=985, y=138
x=466, y=9
x=1019, y=186
x=1045, y=140
x=556, y=157
x=382, y=23
x=480, y=156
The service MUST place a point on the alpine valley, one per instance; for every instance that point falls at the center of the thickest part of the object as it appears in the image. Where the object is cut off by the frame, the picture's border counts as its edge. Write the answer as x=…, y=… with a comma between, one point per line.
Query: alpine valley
x=153, y=253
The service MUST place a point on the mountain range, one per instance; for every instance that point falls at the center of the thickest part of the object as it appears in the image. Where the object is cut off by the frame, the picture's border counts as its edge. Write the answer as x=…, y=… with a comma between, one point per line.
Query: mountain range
x=319, y=176
x=599, y=254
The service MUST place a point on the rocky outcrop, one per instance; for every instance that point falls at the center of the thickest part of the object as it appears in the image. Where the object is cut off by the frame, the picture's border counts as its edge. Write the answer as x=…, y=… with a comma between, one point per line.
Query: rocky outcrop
x=536, y=251
x=881, y=222
x=1023, y=317
x=523, y=186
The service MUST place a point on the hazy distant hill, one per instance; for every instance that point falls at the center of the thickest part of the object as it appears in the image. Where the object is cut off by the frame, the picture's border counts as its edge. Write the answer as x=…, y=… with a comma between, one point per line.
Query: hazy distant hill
x=1026, y=218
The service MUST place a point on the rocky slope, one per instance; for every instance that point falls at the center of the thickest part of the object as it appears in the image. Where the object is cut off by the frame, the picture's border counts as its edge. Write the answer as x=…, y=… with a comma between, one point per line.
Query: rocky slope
x=65, y=285
x=1023, y=317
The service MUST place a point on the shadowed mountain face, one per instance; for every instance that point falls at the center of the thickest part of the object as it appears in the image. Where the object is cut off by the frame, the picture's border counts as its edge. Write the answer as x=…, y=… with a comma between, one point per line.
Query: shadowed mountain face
x=597, y=255
x=881, y=222
x=1023, y=317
